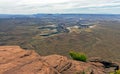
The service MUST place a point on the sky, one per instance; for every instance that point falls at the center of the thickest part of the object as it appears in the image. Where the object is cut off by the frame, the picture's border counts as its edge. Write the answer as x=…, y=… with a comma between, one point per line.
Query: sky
x=60, y=6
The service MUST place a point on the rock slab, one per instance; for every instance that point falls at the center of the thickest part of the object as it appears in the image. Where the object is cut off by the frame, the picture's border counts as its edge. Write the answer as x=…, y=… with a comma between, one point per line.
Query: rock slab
x=15, y=60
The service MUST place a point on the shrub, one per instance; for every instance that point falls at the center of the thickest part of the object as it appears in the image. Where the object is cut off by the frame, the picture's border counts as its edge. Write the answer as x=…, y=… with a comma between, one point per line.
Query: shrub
x=78, y=56
x=118, y=72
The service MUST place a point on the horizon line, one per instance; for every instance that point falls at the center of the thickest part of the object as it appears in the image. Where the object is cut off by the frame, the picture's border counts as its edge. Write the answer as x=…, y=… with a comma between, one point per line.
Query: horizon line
x=58, y=13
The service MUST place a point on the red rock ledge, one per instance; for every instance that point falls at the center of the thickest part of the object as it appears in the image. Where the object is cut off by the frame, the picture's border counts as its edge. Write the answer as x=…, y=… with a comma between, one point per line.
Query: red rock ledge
x=14, y=60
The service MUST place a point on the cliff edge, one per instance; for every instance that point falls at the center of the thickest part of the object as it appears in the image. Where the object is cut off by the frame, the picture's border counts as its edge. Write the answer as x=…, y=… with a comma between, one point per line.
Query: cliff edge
x=15, y=60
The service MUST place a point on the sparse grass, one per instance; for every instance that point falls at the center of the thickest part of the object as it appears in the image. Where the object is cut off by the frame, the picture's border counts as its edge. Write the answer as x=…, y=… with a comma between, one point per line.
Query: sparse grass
x=78, y=56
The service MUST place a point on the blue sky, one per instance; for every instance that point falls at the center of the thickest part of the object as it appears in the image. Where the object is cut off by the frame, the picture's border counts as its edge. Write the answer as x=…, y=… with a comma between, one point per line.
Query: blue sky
x=59, y=6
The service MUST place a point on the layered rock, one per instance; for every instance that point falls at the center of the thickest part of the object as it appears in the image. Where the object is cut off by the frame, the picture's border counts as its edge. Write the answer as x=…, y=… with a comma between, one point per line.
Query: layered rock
x=66, y=66
x=14, y=60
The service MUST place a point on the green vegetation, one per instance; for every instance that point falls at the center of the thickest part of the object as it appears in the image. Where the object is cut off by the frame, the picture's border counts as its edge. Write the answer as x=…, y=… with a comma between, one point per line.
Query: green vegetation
x=83, y=72
x=78, y=56
x=116, y=72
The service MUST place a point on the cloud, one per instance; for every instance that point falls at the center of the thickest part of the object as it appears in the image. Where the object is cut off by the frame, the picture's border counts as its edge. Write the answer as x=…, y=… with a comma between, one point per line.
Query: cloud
x=57, y=6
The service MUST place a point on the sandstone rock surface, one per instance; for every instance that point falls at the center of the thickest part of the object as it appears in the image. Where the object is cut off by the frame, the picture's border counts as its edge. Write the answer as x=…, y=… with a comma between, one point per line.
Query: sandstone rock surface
x=15, y=60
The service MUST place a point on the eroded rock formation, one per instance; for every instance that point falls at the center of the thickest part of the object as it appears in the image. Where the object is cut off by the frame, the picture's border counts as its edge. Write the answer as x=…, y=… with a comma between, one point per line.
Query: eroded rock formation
x=14, y=60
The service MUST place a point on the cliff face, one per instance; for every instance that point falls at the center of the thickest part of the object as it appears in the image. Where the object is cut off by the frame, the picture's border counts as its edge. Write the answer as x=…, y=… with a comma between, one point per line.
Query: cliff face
x=14, y=60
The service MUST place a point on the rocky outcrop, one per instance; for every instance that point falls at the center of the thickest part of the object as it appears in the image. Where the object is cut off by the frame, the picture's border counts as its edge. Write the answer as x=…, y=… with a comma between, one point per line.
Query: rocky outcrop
x=61, y=28
x=66, y=66
x=14, y=60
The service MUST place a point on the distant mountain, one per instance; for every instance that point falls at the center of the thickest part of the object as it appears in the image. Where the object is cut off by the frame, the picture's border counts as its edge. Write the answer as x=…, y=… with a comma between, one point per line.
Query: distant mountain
x=14, y=16
x=85, y=16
